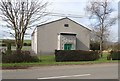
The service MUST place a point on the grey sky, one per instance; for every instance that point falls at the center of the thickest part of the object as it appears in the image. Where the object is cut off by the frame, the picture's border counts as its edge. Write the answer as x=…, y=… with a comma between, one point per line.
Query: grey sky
x=66, y=7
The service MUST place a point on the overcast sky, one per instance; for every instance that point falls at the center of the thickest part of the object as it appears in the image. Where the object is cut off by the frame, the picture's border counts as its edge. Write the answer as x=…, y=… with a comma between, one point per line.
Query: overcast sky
x=66, y=7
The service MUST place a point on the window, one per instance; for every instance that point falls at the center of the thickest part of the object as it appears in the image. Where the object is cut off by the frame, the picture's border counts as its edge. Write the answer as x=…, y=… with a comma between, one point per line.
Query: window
x=66, y=25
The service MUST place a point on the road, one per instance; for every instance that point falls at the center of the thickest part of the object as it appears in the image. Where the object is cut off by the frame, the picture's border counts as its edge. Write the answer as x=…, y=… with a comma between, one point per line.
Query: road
x=94, y=71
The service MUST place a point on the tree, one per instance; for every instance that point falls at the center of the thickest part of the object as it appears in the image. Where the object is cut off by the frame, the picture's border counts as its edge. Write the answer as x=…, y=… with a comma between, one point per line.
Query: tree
x=101, y=13
x=21, y=15
x=94, y=45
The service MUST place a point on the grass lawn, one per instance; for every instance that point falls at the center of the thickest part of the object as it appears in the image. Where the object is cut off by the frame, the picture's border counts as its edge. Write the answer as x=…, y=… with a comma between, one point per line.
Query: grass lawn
x=27, y=41
x=50, y=60
x=24, y=47
x=13, y=47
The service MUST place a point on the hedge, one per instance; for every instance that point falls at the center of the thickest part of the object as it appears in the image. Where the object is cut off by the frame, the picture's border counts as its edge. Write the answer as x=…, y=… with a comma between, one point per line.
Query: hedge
x=27, y=44
x=115, y=55
x=76, y=55
x=3, y=44
x=24, y=44
x=16, y=57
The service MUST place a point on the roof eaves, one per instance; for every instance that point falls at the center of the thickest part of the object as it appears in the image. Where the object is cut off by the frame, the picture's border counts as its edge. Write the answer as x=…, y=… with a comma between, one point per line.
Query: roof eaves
x=79, y=24
x=51, y=22
x=33, y=31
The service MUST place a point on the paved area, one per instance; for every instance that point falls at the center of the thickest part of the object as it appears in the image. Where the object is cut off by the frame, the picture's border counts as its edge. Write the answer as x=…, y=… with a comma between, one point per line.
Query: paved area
x=95, y=71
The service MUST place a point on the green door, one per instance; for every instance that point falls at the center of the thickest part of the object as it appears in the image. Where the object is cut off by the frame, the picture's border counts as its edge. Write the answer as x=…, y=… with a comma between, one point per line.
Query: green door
x=67, y=46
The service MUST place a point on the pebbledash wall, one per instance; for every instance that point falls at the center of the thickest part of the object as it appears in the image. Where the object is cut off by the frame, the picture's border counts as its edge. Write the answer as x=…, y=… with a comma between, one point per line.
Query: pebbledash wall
x=68, y=39
x=47, y=38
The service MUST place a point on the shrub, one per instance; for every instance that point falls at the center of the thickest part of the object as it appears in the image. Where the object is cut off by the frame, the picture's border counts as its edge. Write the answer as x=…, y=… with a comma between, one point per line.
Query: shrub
x=9, y=51
x=5, y=41
x=16, y=57
x=94, y=45
x=27, y=44
x=76, y=55
x=3, y=44
x=109, y=57
x=115, y=55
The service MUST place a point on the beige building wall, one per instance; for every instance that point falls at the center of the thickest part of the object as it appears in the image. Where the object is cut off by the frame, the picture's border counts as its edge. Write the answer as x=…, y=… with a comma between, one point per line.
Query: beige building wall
x=47, y=35
x=34, y=41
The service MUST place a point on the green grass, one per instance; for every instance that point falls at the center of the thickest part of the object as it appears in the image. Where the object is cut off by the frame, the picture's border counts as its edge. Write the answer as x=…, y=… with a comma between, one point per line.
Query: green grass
x=26, y=48
x=50, y=59
x=13, y=41
x=47, y=60
x=27, y=41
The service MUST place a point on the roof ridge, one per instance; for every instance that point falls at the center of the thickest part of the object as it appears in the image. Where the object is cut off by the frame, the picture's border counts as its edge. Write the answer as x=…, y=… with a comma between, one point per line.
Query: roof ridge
x=53, y=21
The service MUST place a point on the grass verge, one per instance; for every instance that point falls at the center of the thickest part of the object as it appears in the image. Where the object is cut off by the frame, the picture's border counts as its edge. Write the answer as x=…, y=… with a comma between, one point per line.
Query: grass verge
x=48, y=60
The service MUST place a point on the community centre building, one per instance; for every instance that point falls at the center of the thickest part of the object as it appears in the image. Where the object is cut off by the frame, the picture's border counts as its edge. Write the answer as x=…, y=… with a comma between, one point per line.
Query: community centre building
x=61, y=34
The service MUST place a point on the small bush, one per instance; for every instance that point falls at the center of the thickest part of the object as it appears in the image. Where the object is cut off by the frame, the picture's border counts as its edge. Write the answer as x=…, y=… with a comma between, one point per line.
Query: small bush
x=27, y=44
x=109, y=57
x=76, y=55
x=16, y=57
x=94, y=45
x=3, y=44
x=9, y=51
x=115, y=55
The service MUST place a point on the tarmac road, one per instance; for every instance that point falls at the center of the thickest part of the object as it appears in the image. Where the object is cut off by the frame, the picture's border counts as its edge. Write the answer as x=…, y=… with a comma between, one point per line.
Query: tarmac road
x=94, y=71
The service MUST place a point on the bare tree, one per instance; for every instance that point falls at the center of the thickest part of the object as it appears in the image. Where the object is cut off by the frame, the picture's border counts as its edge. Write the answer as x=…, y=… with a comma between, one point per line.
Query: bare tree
x=21, y=15
x=101, y=11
